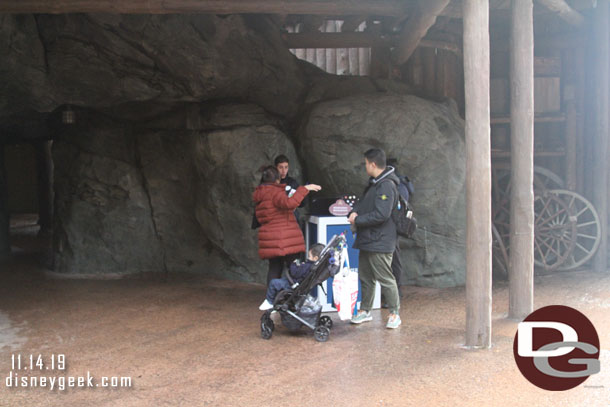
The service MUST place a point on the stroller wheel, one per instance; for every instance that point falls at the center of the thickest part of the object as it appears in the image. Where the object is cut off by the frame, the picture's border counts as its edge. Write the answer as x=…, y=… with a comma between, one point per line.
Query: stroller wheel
x=326, y=321
x=321, y=333
x=267, y=326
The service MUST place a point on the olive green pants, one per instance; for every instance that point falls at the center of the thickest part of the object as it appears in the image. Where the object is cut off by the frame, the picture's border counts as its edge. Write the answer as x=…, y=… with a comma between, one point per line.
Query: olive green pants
x=374, y=267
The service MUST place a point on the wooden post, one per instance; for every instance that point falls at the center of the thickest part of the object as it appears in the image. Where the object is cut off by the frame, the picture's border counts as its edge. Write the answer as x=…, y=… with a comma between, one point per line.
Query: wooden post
x=321, y=58
x=44, y=167
x=342, y=55
x=354, y=64
x=365, y=61
x=568, y=63
x=580, y=56
x=600, y=154
x=521, y=262
x=311, y=55
x=331, y=53
x=5, y=245
x=478, y=174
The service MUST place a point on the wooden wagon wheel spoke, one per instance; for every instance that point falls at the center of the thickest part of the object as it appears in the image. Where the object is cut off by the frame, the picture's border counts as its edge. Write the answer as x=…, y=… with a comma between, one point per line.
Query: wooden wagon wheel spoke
x=551, y=218
x=500, y=255
x=542, y=257
x=550, y=246
x=587, y=236
x=584, y=217
x=551, y=230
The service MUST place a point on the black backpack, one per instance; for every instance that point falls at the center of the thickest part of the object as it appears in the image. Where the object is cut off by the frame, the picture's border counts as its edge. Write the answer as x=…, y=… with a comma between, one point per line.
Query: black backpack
x=402, y=214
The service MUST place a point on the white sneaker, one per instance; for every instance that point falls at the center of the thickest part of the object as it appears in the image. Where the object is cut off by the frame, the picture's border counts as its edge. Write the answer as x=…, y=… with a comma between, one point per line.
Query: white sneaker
x=266, y=305
x=393, y=321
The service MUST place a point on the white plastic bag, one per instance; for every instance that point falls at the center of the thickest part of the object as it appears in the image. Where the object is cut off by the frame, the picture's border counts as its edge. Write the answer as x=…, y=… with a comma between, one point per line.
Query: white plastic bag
x=345, y=288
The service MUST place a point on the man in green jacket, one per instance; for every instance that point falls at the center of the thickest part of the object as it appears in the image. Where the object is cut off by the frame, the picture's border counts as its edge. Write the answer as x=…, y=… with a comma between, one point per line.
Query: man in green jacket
x=376, y=237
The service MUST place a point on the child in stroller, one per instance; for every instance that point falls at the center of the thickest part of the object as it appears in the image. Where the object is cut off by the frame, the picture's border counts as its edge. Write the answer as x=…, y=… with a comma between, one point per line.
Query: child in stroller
x=297, y=273
x=295, y=305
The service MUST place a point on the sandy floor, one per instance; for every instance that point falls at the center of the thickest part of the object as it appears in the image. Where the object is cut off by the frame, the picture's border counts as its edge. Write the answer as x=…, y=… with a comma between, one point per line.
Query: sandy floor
x=194, y=342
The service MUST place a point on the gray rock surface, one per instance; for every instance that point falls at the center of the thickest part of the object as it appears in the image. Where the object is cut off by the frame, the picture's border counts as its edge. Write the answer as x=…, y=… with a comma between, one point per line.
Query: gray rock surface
x=155, y=198
x=178, y=113
x=23, y=67
x=428, y=140
x=104, y=60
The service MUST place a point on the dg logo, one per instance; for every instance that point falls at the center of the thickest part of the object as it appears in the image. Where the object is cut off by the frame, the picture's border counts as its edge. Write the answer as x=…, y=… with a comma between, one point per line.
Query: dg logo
x=556, y=348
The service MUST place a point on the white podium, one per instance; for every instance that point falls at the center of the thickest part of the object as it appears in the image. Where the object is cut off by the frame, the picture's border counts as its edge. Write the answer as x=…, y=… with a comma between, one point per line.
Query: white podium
x=320, y=229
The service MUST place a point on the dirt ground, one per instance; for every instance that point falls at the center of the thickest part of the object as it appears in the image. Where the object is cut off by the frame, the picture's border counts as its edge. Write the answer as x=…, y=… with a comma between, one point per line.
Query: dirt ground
x=196, y=342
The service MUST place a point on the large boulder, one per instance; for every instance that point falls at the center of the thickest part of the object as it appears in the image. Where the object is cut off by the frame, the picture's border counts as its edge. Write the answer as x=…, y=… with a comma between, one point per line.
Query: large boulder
x=164, y=196
x=103, y=216
x=101, y=60
x=23, y=67
x=427, y=139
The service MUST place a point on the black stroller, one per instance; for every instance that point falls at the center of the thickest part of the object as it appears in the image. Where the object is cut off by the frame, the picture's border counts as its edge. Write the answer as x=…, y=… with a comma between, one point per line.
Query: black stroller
x=295, y=307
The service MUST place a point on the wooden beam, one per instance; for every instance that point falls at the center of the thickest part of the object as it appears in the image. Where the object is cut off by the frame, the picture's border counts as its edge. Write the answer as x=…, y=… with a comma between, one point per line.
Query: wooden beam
x=335, y=40
x=417, y=27
x=331, y=53
x=352, y=23
x=564, y=11
x=478, y=174
x=316, y=7
x=601, y=142
x=357, y=40
x=364, y=55
x=521, y=262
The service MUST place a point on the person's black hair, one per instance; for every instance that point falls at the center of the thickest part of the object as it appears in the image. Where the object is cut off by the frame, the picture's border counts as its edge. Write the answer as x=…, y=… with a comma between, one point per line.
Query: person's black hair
x=377, y=156
x=270, y=174
x=281, y=159
x=392, y=161
x=316, y=249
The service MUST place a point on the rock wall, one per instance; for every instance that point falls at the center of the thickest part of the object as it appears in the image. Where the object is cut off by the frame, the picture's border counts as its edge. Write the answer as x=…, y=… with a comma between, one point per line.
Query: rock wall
x=427, y=139
x=174, y=115
x=161, y=197
x=106, y=60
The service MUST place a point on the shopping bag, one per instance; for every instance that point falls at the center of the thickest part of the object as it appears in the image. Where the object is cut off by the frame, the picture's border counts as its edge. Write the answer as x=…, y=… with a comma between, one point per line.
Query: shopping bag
x=345, y=288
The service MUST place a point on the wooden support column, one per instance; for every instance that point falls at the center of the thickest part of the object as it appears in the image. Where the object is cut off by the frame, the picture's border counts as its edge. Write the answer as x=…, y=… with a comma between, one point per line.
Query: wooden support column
x=478, y=174
x=521, y=262
x=321, y=58
x=5, y=245
x=331, y=53
x=600, y=152
x=44, y=167
x=580, y=57
x=568, y=63
x=354, y=64
x=365, y=61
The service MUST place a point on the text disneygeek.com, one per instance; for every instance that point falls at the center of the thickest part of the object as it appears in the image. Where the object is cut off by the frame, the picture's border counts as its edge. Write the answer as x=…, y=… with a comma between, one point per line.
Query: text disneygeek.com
x=24, y=368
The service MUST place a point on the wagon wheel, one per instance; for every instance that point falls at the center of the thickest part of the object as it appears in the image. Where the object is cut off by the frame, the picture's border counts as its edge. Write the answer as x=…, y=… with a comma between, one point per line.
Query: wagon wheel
x=501, y=186
x=588, y=228
x=554, y=231
x=499, y=252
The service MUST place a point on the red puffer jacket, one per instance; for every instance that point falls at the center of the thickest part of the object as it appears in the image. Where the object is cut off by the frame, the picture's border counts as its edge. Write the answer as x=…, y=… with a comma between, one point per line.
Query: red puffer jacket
x=279, y=234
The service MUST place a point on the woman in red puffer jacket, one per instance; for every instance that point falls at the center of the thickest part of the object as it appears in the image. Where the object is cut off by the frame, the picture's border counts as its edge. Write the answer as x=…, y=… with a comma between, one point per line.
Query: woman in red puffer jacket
x=279, y=238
